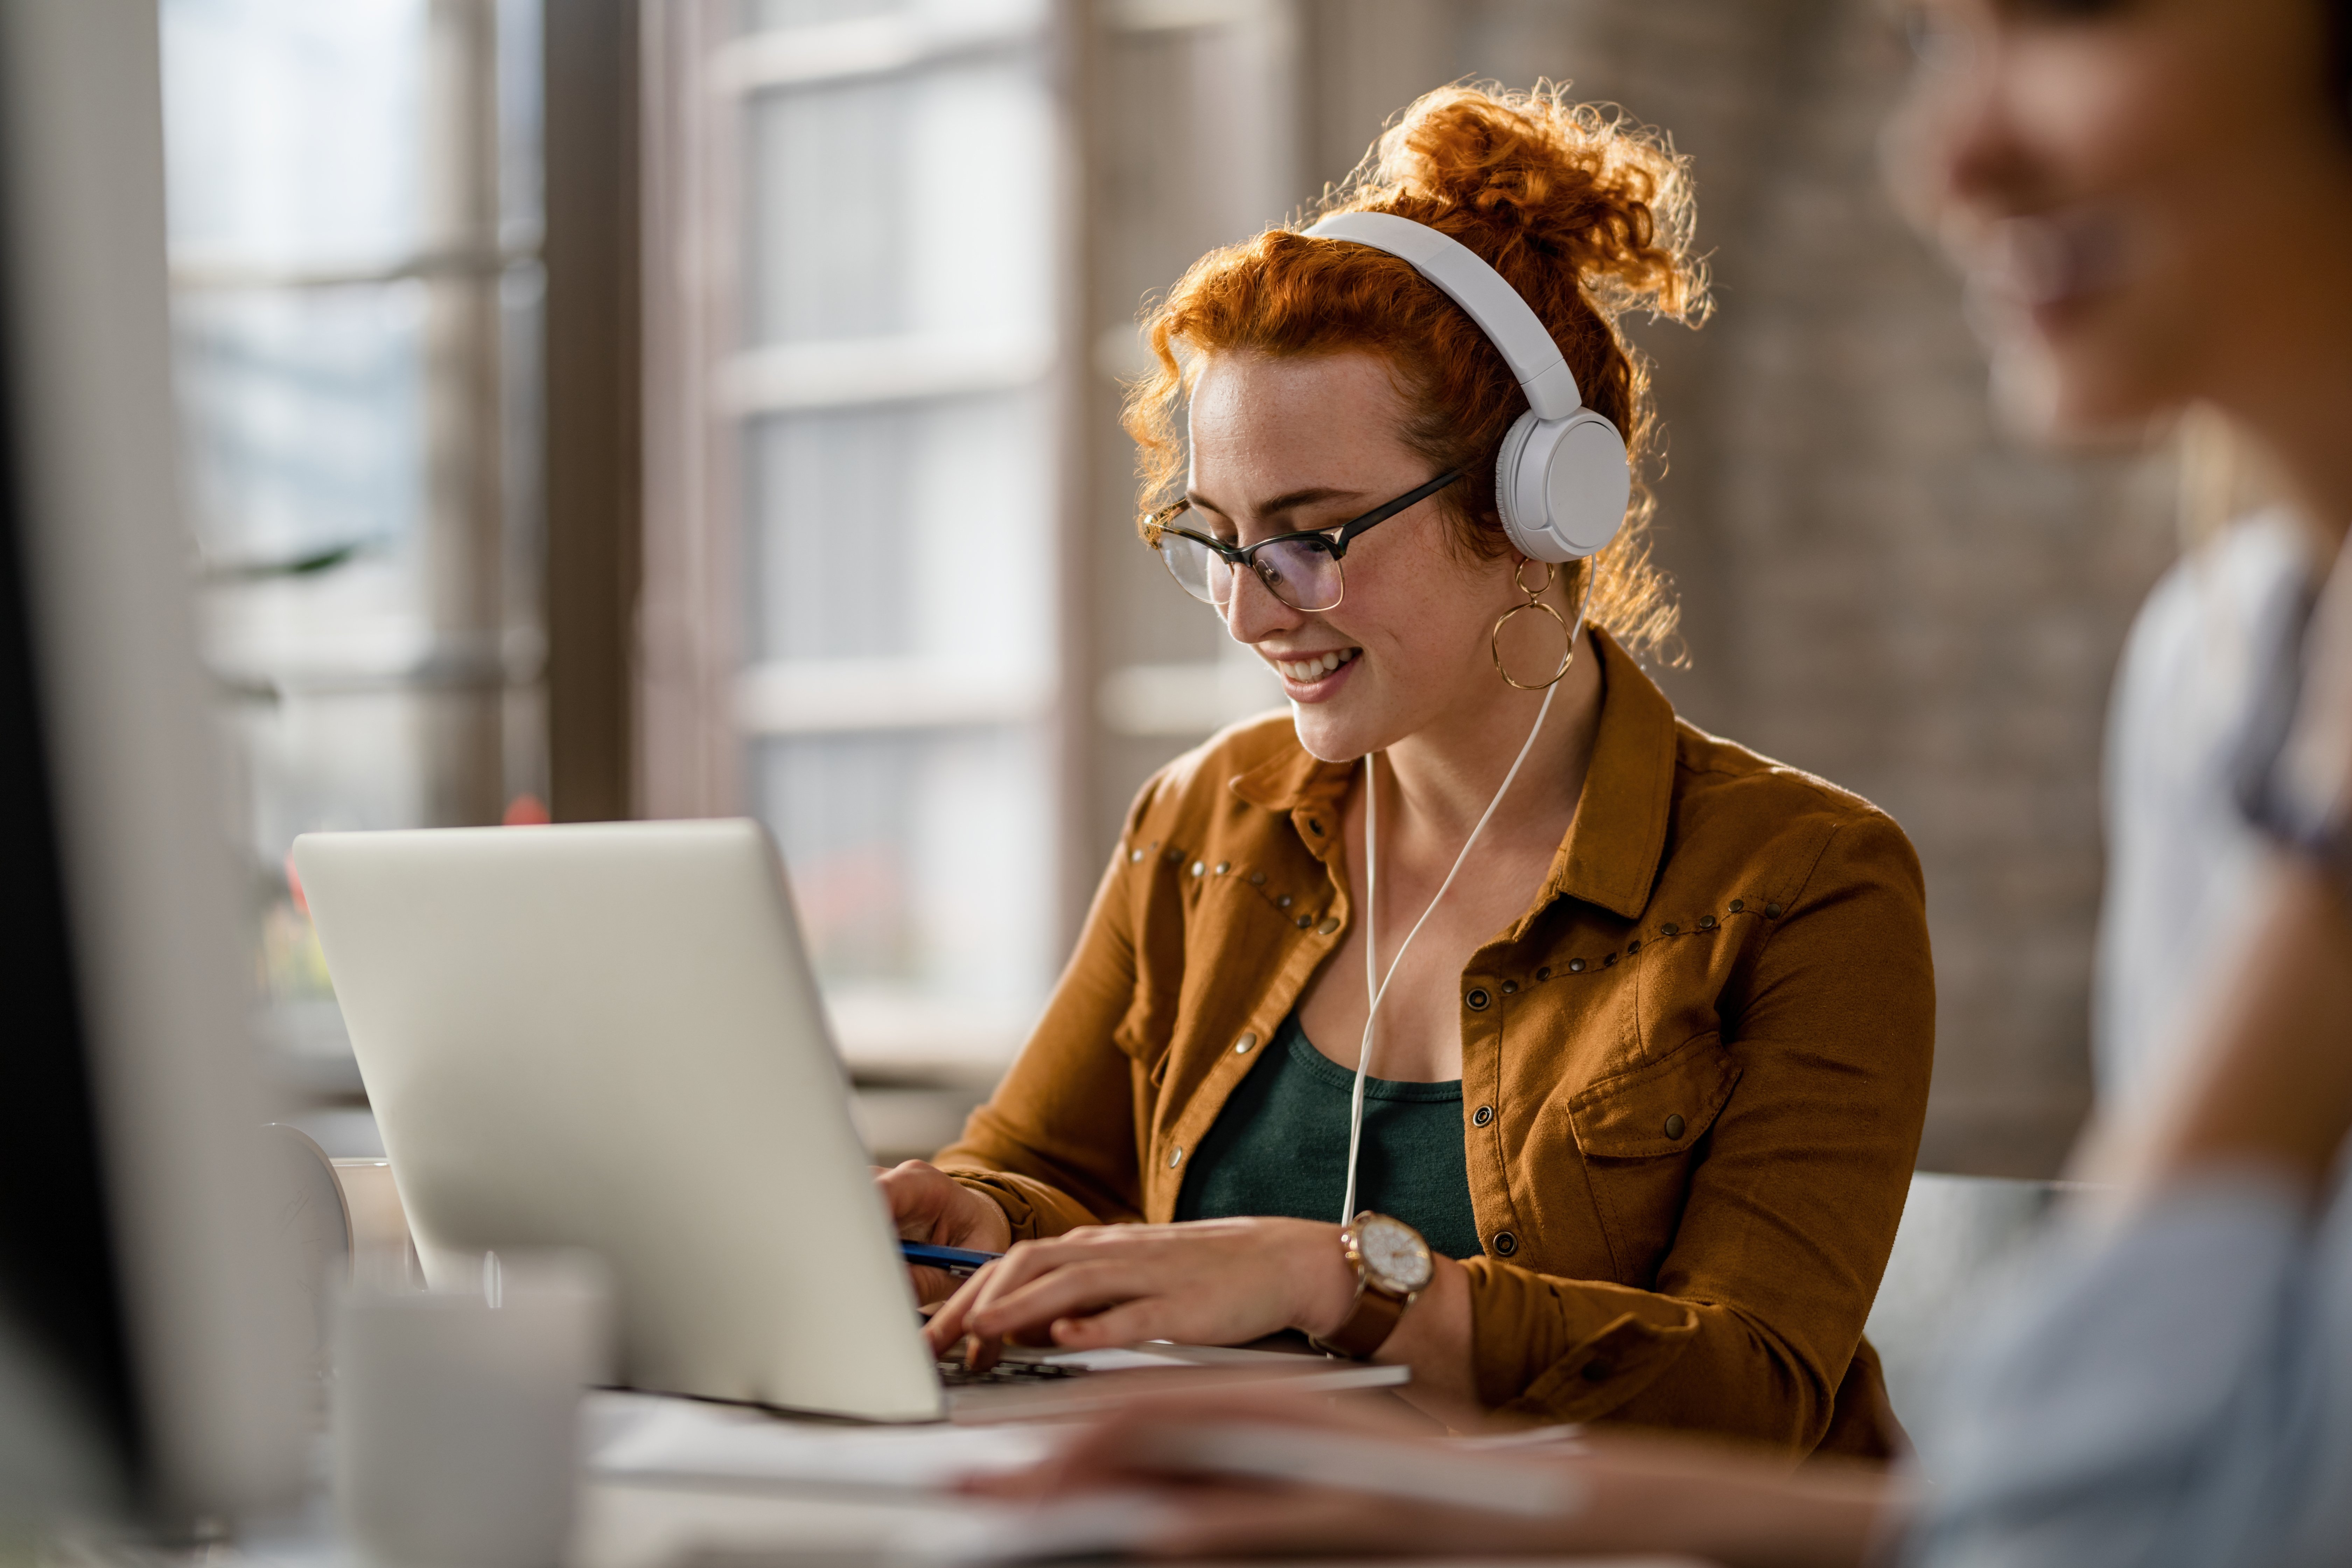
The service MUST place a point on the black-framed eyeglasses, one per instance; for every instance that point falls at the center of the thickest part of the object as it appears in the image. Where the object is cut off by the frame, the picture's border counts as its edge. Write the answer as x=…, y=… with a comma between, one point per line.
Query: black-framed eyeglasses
x=1302, y=570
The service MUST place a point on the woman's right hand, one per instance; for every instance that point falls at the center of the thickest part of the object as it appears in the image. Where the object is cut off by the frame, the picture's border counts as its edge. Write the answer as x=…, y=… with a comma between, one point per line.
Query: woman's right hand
x=928, y=1205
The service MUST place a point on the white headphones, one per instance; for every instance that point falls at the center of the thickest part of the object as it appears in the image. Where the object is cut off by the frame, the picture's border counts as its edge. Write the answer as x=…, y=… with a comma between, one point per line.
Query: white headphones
x=1561, y=480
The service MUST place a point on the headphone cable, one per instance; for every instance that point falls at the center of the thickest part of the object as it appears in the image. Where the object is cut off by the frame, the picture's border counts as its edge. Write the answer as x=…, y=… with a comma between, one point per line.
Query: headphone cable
x=1376, y=985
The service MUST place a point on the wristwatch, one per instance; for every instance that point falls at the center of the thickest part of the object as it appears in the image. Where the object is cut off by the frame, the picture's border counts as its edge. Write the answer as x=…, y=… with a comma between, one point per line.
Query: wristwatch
x=1392, y=1266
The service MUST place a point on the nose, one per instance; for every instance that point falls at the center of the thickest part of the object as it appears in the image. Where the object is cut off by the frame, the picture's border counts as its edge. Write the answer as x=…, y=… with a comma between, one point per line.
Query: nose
x=1252, y=612
x=1953, y=151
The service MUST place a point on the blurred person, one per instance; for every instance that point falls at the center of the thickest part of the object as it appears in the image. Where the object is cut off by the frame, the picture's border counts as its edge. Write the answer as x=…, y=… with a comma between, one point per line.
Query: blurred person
x=1650, y=1077
x=2152, y=203
x=2176, y=1385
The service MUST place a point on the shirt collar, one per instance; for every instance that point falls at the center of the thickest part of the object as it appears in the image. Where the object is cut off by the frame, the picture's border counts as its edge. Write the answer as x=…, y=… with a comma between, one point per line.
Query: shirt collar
x=1610, y=855
x=1292, y=778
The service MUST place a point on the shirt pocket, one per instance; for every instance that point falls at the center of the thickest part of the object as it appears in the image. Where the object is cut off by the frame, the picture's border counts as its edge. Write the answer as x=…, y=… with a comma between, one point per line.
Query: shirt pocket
x=1641, y=1135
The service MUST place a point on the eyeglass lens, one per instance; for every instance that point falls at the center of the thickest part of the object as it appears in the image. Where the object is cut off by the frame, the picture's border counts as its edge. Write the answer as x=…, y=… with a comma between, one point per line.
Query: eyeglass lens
x=1298, y=571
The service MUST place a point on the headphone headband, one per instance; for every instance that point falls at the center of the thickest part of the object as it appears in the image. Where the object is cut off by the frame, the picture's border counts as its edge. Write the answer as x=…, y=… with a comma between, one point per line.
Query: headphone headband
x=1465, y=276
x=1562, y=478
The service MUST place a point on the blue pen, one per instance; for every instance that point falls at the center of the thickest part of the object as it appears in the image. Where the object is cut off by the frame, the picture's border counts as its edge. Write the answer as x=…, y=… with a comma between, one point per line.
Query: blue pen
x=952, y=1260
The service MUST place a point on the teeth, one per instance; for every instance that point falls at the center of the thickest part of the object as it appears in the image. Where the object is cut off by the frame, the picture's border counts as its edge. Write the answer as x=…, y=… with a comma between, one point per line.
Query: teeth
x=1305, y=670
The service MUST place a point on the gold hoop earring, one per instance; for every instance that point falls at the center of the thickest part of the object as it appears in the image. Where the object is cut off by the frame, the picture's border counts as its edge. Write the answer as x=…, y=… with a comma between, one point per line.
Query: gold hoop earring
x=1494, y=637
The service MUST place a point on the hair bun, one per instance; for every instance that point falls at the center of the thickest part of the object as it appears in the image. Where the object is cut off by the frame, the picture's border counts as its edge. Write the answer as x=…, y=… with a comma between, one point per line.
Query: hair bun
x=1531, y=180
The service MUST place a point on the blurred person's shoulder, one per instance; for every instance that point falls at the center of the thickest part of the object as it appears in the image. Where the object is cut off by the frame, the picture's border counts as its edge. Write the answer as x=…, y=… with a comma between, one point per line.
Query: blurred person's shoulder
x=2219, y=632
x=2213, y=627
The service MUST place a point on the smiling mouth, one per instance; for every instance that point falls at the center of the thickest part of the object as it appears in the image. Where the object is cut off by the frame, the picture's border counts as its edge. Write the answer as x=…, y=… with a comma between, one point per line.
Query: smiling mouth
x=1307, y=671
x=2052, y=259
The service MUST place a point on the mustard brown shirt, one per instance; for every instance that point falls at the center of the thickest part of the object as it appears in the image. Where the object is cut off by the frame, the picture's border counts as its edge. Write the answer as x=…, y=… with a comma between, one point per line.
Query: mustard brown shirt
x=1693, y=1072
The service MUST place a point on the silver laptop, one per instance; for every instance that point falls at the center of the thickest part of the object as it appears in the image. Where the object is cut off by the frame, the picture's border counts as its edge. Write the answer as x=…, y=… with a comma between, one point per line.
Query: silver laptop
x=609, y=1037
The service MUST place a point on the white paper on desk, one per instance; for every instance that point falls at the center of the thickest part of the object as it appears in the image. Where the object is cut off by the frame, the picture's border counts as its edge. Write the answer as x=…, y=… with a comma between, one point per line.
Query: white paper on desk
x=1103, y=1524
x=650, y=1437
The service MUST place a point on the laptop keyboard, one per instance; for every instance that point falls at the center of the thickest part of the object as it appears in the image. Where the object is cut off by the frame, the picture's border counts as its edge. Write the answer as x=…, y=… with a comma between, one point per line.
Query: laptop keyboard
x=955, y=1374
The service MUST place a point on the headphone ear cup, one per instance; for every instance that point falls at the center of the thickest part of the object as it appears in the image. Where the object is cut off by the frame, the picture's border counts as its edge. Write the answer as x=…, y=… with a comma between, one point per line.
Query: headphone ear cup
x=1526, y=514
x=1563, y=485
x=1589, y=483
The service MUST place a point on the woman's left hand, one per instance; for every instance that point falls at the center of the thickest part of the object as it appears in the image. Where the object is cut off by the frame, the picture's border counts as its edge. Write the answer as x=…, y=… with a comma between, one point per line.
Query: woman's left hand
x=1209, y=1282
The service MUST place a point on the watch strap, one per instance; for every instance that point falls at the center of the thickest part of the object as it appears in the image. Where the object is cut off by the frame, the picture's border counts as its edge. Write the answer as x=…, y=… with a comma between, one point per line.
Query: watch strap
x=1368, y=1328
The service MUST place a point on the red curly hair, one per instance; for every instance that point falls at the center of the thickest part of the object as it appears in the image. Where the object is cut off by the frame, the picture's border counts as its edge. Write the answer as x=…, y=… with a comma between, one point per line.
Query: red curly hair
x=1586, y=216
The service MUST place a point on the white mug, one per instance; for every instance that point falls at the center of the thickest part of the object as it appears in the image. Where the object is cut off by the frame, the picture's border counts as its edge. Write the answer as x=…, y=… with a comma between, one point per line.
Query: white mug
x=456, y=1413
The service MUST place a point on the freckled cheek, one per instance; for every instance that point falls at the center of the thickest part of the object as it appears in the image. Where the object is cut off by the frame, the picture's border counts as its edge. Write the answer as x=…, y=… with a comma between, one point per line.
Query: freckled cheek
x=1426, y=629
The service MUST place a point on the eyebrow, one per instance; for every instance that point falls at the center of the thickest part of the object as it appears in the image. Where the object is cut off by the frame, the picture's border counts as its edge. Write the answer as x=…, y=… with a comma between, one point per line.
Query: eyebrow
x=1289, y=501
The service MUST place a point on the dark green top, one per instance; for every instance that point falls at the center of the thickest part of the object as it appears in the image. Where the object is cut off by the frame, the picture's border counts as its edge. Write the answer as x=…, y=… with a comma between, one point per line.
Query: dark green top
x=1280, y=1147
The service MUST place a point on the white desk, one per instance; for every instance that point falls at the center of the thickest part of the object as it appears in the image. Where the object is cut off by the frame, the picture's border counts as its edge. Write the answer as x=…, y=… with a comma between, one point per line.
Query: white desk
x=667, y=1527
x=638, y=1525
x=631, y=1516
x=633, y=1525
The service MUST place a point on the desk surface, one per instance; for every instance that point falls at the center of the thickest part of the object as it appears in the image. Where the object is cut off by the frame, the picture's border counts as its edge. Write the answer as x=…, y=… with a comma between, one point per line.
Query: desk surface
x=635, y=1525
x=626, y=1525
x=837, y=1506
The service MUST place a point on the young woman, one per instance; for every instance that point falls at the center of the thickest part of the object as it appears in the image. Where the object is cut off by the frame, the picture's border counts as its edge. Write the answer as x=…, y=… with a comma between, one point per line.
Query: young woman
x=2173, y=1384
x=1647, y=1075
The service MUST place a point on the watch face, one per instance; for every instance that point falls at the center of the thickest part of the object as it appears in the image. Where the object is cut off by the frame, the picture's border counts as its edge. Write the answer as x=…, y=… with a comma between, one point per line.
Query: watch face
x=1394, y=1255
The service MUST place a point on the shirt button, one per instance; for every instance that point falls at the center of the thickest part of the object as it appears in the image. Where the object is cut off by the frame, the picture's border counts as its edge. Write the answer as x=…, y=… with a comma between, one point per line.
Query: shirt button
x=1707, y=922
x=1328, y=927
x=1257, y=878
x=1282, y=902
x=1506, y=1243
x=1576, y=966
x=1175, y=1157
x=1223, y=866
x=1671, y=929
x=1737, y=905
x=1477, y=999
x=1771, y=911
x=1243, y=1046
x=1635, y=946
x=1482, y=1115
x=1305, y=921
x=1510, y=987
x=1544, y=973
x=1673, y=1126
x=1197, y=868
x=1608, y=959
x=1135, y=854
x=1174, y=856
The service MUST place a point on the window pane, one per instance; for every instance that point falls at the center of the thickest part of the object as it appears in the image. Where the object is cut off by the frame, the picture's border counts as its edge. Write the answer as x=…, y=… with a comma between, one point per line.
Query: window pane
x=762, y=15
x=918, y=531
x=915, y=862
x=867, y=216
x=758, y=15
x=304, y=418
x=828, y=243
x=294, y=130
